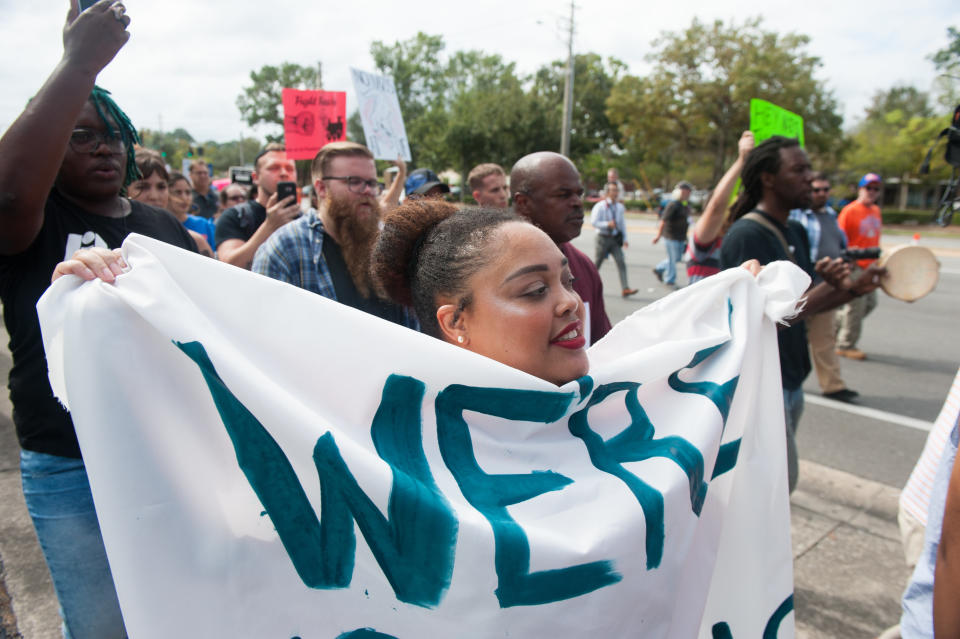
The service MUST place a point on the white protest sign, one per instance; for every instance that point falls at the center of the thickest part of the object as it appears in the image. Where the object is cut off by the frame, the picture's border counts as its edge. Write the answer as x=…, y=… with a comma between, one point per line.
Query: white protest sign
x=380, y=114
x=269, y=463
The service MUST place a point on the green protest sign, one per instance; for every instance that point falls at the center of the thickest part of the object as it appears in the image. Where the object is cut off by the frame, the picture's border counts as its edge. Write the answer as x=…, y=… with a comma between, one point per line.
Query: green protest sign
x=767, y=119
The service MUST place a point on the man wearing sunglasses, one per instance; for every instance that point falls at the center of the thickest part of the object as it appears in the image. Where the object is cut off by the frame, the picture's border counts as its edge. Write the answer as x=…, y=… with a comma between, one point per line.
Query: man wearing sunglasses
x=826, y=240
x=327, y=251
x=861, y=221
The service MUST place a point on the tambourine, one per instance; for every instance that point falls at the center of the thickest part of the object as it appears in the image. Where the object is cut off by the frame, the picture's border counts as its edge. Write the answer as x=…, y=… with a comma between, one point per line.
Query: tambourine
x=912, y=272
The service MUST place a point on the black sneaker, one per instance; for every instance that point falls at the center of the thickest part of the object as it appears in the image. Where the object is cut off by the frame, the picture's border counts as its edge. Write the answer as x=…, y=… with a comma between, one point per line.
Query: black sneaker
x=844, y=395
x=658, y=275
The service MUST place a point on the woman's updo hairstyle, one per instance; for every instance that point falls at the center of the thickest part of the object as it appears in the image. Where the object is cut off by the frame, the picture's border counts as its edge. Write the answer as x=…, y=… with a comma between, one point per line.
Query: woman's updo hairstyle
x=430, y=248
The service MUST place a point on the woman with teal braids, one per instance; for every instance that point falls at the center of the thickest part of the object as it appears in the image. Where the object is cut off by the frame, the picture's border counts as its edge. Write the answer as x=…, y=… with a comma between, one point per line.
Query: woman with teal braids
x=109, y=114
x=64, y=165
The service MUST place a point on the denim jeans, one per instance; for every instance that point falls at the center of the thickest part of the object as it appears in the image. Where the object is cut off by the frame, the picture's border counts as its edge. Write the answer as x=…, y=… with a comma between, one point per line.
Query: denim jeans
x=668, y=266
x=793, y=409
x=59, y=502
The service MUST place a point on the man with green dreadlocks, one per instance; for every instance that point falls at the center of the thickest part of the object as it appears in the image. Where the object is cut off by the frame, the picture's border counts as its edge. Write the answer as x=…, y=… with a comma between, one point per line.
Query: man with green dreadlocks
x=63, y=166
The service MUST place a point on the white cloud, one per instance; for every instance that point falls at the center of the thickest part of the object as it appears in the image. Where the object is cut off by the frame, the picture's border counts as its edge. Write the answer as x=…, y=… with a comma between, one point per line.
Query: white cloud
x=187, y=61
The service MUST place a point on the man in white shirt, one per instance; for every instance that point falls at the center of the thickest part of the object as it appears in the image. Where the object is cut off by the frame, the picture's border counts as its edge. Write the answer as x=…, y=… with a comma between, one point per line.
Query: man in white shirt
x=607, y=218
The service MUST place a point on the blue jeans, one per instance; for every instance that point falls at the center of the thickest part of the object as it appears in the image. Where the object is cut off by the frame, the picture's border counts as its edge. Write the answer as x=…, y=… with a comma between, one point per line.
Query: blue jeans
x=59, y=502
x=793, y=409
x=668, y=267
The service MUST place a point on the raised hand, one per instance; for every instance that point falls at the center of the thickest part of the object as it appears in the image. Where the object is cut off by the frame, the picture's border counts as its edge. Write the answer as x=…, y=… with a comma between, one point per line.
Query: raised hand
x=92, y=38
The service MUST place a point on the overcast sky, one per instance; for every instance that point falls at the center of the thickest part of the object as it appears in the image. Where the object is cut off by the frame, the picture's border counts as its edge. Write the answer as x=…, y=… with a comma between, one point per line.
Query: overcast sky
x=187, y=61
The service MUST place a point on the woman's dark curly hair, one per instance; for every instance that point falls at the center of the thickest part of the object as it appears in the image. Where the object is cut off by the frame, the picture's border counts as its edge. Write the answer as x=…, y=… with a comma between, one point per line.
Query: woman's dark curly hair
x=429, y=249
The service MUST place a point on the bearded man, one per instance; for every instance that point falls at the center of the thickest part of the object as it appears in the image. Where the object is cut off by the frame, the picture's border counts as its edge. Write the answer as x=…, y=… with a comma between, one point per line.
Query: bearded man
x=328, y=251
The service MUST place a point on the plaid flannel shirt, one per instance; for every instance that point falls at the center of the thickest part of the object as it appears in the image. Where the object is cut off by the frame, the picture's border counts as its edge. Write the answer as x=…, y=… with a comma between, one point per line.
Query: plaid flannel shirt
x=294, y=254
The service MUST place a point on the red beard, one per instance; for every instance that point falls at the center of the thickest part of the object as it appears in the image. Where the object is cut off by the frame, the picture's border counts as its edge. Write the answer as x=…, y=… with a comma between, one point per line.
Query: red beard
x=356, y=233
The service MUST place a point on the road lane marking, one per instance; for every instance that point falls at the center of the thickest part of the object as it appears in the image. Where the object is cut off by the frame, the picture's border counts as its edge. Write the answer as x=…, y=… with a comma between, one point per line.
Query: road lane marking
x=872, y=413
x=950, y=271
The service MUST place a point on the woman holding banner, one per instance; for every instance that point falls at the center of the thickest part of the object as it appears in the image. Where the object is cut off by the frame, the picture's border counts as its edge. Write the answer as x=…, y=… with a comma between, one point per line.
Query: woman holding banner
x=482, y=279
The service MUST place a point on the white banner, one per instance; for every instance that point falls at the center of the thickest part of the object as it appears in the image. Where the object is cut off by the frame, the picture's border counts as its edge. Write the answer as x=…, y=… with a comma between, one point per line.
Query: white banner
x=268, y=463
x=380, y=115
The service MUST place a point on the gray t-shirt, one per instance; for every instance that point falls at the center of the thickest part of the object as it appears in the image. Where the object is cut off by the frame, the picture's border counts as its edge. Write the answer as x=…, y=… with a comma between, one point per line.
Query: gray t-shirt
x=832, y=240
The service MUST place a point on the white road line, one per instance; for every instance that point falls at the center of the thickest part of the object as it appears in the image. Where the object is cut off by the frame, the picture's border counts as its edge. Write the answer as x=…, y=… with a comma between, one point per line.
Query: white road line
x=872, y=413
x=950, y=271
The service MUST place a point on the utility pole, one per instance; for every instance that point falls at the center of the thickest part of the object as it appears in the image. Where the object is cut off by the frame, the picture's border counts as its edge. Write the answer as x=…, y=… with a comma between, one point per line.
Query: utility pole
x=568, y=92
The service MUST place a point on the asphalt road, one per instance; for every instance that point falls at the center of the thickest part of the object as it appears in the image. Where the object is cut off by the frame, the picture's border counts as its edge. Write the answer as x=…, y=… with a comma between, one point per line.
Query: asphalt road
x=913, y=355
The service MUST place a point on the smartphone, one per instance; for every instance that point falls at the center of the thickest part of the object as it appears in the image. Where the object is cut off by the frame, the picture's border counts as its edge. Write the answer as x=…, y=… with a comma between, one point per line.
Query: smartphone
x=285, y=190
x=86, y=4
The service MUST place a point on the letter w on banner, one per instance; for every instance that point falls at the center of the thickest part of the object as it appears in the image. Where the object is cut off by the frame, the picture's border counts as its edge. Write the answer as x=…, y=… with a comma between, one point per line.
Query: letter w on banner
x=269, y=463
x=311, y=120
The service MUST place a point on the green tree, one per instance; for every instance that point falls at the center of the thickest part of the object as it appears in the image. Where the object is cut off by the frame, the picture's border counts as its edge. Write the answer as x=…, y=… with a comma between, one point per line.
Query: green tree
x=591, y=128
x=489, y=115
x=260, y=103
x=421, y=81
x=894, y=136
x=172, y=145
x=462, y=109
x=947, y=62
x=233, y=153
x=692, y=107
x=909, y=101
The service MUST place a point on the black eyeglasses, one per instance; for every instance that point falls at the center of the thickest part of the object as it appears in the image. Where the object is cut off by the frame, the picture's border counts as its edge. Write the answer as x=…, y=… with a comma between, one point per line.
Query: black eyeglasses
x=84, y=140
x=357, y=184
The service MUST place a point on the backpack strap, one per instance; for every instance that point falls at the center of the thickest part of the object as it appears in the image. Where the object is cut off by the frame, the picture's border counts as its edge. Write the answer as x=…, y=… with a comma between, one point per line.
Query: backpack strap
x=753, y=216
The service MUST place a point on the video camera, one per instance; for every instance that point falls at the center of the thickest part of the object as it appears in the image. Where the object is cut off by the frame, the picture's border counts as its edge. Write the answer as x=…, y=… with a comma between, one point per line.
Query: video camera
x=853, y=254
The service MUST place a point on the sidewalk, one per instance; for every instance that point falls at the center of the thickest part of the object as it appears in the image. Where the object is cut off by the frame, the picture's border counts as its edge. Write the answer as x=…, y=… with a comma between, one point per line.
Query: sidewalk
x=849, y=571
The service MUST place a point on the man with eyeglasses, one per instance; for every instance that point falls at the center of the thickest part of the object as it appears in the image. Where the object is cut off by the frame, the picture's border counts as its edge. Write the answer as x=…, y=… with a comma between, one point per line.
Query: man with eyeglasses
x=327, y=251
x=243, y=228
x=861, y=221
x=826, y=240
x=63, y=164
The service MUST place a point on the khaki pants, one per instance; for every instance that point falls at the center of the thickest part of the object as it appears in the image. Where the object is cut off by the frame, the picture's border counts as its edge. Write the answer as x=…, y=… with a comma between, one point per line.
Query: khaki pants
x=850, y=315
x=823, y=351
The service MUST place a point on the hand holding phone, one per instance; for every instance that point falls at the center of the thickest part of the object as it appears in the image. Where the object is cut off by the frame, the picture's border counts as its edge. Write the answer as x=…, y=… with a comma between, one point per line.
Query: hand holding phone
x=91, y=38
x=285, y=190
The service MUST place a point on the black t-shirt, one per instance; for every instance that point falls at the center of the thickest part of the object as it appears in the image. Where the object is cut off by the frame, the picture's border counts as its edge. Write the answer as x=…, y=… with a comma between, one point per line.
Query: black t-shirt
x=347, y=292
x=42, y=423
x=747, y=240
x=676, y=220
x=239, y=222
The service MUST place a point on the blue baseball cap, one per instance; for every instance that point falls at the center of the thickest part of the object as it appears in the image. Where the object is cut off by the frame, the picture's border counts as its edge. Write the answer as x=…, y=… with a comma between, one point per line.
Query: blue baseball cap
x=422, y=180
x=869, y=178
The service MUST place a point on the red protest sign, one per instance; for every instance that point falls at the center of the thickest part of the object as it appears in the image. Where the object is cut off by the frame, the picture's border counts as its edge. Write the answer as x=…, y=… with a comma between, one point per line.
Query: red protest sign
x=311, y=120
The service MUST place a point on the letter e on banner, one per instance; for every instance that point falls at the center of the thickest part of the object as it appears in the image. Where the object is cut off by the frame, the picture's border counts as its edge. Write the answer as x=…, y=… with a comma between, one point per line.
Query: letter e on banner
x=311, y=120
